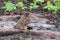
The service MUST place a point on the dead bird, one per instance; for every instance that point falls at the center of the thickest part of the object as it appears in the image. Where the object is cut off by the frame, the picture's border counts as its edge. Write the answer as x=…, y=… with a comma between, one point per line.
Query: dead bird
x=23, y=21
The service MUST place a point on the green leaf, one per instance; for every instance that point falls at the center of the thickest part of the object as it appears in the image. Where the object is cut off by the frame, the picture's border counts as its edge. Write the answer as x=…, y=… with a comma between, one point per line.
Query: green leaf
x=41, y=0
x=35, y=1
x=30, y=7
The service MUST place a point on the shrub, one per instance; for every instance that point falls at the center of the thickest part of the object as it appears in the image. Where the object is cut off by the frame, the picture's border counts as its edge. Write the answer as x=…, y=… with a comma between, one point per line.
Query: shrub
x=20, y=5
x=51, y=7
x=33, y=6
x=9, y=6
x=57, y=3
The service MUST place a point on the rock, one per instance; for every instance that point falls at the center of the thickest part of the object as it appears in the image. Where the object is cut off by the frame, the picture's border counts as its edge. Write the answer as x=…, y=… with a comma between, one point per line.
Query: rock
x=41, y=26
x=47, y=26
x=38, y=19
x=7, y=25
x=8, y=18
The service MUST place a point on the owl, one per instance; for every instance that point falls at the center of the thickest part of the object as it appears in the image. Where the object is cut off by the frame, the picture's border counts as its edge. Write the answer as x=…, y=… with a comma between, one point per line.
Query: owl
x=23, y=21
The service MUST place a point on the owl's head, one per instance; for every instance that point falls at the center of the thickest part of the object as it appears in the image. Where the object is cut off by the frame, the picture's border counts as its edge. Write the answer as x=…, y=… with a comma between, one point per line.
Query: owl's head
x=26, y=14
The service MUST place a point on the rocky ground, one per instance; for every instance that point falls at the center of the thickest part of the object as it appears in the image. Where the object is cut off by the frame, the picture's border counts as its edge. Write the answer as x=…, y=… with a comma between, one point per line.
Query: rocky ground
x=38, y=24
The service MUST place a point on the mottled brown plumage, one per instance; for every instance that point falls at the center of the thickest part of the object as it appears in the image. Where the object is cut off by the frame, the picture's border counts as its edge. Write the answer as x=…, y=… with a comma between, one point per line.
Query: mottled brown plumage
x=23, y=21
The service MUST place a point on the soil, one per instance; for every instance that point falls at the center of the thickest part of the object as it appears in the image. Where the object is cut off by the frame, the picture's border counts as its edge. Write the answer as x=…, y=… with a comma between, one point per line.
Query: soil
x=41, y=20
